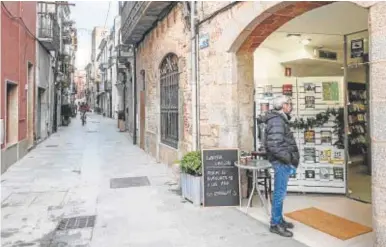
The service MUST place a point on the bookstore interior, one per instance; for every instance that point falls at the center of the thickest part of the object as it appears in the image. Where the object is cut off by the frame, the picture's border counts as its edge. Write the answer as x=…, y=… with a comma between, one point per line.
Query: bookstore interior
x=327, y=76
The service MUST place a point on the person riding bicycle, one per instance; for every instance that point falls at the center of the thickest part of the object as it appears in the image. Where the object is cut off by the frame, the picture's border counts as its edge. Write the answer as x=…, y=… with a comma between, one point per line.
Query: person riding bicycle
x=83, y=108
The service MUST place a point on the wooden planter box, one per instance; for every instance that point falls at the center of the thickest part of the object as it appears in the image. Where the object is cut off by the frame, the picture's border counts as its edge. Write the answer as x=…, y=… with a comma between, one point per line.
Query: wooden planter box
x=192, y=188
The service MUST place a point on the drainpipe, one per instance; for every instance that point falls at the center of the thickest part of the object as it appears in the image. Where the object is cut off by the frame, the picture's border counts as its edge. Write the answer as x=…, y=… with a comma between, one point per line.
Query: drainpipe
x=134, y=68
x=194, y=74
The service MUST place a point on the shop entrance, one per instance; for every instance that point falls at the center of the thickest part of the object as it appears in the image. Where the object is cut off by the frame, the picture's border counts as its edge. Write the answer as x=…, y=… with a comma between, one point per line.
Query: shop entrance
x=322, y=65
x=318, y=57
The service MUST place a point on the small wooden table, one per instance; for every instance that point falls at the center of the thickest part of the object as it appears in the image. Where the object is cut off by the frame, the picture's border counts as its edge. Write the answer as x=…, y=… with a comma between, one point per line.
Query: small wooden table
x=255, y=166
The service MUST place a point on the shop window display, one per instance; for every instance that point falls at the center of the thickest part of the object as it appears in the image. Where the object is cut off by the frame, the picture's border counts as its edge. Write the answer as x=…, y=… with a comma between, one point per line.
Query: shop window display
x=318, y=125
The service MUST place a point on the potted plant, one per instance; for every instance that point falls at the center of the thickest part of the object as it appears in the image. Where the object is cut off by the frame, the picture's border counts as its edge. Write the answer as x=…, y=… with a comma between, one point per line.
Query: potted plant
x=121, y=120
x=191, y=177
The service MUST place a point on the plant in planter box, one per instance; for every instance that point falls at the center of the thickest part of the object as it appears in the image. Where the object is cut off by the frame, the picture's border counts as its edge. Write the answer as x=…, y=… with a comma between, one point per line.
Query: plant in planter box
x=121, y=120
x=191, y=177
x=121, y=115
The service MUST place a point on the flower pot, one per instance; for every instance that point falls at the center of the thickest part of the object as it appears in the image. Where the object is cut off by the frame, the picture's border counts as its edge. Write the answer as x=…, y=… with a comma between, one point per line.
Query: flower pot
x=192, y=188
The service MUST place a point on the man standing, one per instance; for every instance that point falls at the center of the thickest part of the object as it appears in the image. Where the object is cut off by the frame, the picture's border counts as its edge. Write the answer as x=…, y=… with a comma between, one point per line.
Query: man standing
x=283, y=153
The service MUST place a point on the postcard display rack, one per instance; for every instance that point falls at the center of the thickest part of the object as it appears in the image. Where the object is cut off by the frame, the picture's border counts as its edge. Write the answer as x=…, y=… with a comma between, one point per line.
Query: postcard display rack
x=322, y=165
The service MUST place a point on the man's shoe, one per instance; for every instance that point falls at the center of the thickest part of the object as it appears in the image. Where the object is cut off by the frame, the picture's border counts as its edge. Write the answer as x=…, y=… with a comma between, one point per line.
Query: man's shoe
x=281, y=230
x=287, y=225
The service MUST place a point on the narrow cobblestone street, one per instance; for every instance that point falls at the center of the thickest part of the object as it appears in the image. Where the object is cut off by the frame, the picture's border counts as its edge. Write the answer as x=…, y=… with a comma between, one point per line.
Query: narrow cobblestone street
x=69, y=175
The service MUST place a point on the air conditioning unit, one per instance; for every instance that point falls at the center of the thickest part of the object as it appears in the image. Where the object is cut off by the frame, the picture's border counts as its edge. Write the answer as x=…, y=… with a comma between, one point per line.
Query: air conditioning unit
x=324, y=54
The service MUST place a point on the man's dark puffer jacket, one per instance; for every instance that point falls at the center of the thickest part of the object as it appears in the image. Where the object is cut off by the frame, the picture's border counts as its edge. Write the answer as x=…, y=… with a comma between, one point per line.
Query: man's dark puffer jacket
x=280, y=142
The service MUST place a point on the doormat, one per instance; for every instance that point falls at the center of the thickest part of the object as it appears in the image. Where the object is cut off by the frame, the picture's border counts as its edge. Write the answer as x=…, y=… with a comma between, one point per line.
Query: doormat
x=328, y=223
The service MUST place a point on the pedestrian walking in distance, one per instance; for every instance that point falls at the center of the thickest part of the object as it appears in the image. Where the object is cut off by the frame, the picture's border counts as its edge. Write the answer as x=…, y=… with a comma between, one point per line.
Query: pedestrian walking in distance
x=283, y=153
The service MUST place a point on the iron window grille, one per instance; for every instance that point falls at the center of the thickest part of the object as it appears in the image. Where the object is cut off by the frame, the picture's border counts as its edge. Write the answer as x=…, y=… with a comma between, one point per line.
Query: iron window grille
x=169, y=100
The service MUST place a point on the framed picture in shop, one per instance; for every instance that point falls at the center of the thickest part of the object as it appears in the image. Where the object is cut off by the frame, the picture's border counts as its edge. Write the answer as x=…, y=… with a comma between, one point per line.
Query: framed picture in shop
x=287, y=89
x=267, y=91
x=357, y=48
x=338, y=156
x=338, y=173
x=325, y=156
x=309, y=136
x=309, y=155
x=264, y=107
x=309, y=88
x=326, y=137
x=324, y=174
x=309, y=101
x=310, y=174
x=330, y=91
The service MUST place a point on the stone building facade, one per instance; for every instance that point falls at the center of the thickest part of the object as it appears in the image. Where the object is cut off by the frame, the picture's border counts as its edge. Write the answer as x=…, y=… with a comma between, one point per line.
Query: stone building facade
x=225, y=75
x=170, y=36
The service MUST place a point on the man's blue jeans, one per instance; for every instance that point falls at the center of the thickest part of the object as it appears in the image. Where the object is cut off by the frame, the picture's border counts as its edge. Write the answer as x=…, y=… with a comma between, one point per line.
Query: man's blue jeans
x=282, y=173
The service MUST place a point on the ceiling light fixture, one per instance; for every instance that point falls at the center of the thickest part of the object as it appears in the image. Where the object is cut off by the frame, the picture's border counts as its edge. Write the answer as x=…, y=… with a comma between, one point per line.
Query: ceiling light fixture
x=305, y=41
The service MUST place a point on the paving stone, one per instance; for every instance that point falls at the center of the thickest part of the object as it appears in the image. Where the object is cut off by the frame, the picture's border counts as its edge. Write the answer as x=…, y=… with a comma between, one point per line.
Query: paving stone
x=152, y=215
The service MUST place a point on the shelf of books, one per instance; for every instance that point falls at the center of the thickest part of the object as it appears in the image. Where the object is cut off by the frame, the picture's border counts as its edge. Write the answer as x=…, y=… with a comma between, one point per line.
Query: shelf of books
x=357, y=119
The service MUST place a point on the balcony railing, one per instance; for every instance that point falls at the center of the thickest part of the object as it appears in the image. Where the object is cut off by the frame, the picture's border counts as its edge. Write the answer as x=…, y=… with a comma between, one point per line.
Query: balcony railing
x=103, y=66
x=111, y=61
x=139, y=16
x=121, y=66
x=125, y=52
x=48, y=31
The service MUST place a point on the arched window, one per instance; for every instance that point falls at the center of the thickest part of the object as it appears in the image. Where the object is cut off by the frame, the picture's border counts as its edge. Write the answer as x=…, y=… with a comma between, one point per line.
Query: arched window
x=169, y=76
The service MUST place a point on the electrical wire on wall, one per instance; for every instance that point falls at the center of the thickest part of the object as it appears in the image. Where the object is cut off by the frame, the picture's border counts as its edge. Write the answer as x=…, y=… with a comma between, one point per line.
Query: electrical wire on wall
x=107, y=16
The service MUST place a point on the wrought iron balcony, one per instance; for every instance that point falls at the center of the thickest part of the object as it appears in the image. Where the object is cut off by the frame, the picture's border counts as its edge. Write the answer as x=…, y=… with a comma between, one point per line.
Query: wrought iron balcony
x=49, y=31
x=139, y=16
x=67, y=50
x=125, y=52
x=121, y=66
x=111, y=61
x=103, y=66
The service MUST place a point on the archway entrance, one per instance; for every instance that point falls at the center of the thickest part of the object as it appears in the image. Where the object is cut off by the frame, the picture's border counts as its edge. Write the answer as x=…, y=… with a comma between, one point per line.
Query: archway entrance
x=311, y=52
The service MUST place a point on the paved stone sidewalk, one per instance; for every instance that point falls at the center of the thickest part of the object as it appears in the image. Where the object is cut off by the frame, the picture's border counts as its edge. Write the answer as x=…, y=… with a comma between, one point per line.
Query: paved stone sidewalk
x=69, y=175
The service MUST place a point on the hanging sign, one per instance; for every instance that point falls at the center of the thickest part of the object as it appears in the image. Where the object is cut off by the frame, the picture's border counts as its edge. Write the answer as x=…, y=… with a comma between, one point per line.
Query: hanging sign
x=357, y=48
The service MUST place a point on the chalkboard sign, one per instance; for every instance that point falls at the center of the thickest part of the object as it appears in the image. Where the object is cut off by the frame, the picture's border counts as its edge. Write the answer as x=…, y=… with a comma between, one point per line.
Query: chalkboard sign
x=221, y=177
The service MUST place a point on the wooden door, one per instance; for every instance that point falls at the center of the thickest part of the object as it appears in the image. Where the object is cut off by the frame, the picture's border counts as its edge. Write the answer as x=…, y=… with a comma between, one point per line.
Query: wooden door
x=142, y=119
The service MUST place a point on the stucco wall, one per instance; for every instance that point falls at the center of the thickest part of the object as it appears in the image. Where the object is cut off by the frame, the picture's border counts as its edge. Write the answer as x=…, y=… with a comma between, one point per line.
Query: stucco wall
x=17, y=49
x=169, y=36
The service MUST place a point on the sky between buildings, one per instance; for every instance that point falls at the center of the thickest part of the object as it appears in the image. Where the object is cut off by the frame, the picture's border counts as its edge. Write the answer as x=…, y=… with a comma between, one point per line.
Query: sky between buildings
x=87, y=15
